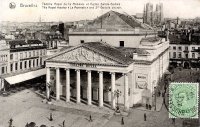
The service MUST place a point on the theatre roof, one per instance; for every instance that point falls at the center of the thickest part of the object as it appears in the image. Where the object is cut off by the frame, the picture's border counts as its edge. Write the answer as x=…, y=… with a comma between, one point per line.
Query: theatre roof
x=102, y=48
x=129, y=51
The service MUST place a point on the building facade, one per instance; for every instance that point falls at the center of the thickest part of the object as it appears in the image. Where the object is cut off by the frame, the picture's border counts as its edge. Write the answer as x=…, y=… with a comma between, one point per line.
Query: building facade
x=185, y=55
x=94, y=71
x=23, y=56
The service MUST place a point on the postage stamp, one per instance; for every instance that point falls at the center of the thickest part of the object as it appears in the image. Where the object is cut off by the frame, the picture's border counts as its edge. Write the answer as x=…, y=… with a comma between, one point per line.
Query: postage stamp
x=183, y=100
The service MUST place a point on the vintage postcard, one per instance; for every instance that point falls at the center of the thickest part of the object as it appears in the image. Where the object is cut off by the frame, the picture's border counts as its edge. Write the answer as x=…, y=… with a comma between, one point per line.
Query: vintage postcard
x=99, y=63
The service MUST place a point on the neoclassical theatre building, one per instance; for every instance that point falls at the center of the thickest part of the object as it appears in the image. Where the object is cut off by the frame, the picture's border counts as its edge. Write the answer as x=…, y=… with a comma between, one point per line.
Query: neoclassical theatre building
x=100, y=61
x=93, y=71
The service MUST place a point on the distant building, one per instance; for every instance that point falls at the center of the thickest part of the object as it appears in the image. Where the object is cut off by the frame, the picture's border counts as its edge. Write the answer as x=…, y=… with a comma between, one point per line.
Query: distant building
x=152, y=17
x=185, y=49
x=23, y=61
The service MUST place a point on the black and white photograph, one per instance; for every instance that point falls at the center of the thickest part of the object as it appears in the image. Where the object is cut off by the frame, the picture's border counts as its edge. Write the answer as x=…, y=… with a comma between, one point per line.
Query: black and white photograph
x=99, y=63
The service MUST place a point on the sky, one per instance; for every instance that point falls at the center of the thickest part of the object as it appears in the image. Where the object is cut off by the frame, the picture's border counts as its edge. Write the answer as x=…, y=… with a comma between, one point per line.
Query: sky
x=172, y=8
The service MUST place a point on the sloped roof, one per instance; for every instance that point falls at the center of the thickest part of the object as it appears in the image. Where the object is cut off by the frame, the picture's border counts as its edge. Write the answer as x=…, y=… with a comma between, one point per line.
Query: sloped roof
x=23, y=42
x=127, y=20
x=129, y=51
x=103, y=49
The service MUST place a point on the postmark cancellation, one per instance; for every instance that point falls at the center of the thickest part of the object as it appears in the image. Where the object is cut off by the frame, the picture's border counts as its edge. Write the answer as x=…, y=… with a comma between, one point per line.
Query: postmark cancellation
x=183, y=100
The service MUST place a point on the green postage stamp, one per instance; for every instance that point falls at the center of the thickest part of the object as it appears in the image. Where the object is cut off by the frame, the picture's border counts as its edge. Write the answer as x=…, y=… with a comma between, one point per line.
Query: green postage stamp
x=183, y=100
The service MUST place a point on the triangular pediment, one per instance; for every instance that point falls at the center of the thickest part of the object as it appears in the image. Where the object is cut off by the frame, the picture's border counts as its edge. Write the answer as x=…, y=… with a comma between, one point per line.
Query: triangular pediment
x=83, y=55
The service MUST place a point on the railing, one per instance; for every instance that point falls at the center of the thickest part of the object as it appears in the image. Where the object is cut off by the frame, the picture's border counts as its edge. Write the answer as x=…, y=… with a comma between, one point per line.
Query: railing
x=111, y=30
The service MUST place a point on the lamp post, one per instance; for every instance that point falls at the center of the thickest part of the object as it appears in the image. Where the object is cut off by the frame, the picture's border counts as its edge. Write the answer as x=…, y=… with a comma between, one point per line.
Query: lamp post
x=117, y=93
x=155, y=96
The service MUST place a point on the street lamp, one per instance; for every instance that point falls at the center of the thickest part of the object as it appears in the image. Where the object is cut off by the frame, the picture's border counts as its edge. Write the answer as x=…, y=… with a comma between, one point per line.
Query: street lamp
x=117, y=93
x=155, y=96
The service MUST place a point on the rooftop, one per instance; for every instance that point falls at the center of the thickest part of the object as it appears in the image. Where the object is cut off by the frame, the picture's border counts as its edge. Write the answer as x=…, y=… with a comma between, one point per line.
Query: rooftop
x=24, y=42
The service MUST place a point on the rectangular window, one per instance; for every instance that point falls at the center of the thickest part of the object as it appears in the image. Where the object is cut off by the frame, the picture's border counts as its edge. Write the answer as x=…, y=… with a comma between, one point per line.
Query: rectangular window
x=121, y=43
x=174, y=47
x=179, y=55
x=29, y=54
x=25, y=64
x=16, y=66
x=20, y=65
x=37, y=62
x=3, y=70
x=193, y=48
x=16, y=56
x=82, y=41
x=33, y=63
x=26, y=55
x=21, y=55
x=11, y=56
x=174, y=54
x=11, y=67
x=29, y=63
x=193, y=55
x=33, y=53
x=40, y=52
x=186, y=55
x=186, y=48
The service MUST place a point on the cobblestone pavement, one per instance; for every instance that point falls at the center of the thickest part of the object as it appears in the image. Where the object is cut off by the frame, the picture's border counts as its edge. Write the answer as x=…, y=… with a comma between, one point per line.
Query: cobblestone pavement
x=26, y=106
x=136, y=119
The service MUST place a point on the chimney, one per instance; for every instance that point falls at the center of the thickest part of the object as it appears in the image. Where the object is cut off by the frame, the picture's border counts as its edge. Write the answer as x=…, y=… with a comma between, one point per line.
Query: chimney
x=166, y=35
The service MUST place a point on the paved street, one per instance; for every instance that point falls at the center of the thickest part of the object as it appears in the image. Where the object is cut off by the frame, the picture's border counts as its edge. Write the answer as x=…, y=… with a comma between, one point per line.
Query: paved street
x=26, y=106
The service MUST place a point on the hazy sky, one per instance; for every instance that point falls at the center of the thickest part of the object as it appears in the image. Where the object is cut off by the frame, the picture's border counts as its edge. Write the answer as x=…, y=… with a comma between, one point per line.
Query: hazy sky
x=172, y=8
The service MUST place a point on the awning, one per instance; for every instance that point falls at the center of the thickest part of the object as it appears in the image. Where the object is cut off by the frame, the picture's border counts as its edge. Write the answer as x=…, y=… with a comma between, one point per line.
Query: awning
x=25, y=76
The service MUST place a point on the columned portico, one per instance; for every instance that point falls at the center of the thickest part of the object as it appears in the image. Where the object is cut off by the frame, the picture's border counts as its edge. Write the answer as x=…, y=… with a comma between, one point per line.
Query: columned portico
x=100, y=89
x=78, y=86
x=99, y=84
x=57, y=84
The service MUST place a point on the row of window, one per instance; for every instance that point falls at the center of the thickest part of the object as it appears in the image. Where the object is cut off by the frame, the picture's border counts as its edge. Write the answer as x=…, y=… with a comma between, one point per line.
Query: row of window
x=25, y=64
x=121, y=43
x=180, y=48
x=180, y=55
x=28, y=54
x=3, y=58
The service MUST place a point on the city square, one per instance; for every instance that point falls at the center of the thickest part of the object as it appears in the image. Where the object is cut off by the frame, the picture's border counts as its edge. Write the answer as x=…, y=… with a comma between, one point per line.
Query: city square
x=99, y=64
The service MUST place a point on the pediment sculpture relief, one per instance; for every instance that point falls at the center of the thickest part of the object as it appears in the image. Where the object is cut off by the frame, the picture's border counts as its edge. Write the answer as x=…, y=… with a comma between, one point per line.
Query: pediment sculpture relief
x=83, y=55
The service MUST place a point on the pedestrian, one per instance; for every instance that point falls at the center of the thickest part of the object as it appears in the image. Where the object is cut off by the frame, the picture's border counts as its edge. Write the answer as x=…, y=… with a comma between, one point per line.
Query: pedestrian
x=173, y=121
x=159, y=93
x=10, y=122
x=90, y=118
x=63, y=123
x=122, y=122
x=150, y=107
x=146, y=106
x=51, y=118
x=145, y=117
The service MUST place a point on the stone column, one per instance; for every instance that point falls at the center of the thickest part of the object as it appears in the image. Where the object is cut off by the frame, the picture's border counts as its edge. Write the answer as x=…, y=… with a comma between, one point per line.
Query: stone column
x=13, y=67
x=48, y=81
x=101, y=89
x=126, y=104
x=78, y=86
x=67, y=85
x=113, y=90
x=57, y=83
x=89, y=88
